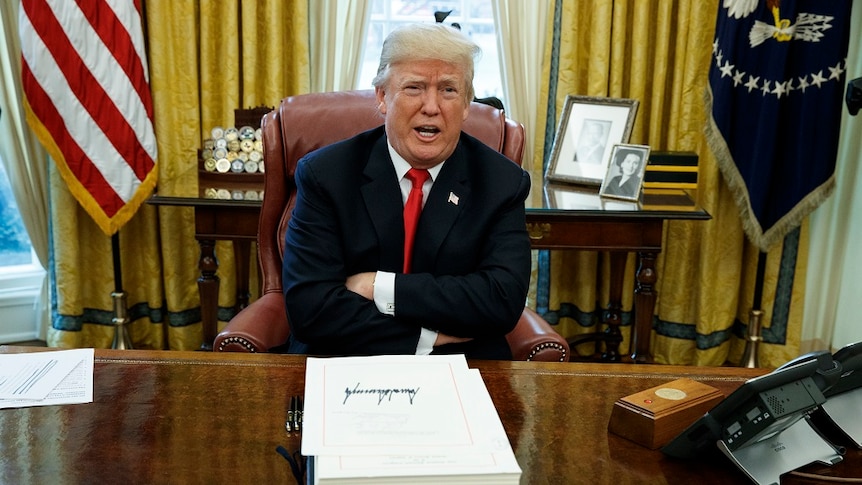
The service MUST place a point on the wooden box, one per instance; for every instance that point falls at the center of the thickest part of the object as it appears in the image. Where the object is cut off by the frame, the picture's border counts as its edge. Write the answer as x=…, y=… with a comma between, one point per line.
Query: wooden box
x=654, y=417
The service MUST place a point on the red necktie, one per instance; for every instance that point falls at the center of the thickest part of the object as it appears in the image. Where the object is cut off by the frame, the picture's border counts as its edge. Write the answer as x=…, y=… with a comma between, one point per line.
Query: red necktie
x=412, y=209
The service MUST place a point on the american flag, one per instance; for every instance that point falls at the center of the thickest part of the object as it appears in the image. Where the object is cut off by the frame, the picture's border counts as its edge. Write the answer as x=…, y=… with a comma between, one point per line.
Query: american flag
x=776, y=85
x=87, y=98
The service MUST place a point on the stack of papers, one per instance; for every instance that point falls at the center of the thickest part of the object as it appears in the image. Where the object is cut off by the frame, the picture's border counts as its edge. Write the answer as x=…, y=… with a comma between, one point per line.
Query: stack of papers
x=46, y=378
x=391, y=419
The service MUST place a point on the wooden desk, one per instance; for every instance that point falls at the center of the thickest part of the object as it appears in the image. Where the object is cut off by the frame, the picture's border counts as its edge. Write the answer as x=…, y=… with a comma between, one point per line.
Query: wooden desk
x=198, y=417
x=577, y=218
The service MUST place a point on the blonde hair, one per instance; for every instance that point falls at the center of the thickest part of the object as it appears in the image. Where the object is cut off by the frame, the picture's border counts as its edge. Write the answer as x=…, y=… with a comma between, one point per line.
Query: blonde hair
x=428, y=42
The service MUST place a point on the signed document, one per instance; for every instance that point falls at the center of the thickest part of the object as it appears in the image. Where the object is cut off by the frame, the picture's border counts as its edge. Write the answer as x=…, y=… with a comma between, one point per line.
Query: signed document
x=394, y=417
x=387, y=404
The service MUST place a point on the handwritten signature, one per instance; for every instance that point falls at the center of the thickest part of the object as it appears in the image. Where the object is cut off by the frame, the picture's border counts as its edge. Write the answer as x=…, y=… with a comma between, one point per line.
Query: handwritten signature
x=382, y=394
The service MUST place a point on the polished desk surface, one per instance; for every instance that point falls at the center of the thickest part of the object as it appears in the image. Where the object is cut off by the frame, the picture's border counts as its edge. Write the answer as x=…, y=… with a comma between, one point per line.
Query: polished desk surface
x=200, y=417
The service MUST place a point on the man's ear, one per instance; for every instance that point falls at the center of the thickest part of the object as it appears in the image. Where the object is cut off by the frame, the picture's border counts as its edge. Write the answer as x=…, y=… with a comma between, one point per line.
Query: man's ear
x=380, y=94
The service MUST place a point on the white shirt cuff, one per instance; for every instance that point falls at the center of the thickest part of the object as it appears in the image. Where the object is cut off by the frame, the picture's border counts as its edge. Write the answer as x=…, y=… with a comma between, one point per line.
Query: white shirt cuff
x=384, y=292
x=426, y=342
x=384, y=299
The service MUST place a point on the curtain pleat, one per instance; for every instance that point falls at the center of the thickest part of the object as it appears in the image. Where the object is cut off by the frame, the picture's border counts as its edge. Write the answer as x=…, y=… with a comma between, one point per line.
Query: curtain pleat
x=337, y=30
x=521, y=53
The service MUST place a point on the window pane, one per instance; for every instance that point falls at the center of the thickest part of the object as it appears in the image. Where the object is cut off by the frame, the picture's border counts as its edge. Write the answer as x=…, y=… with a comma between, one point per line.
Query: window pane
x=475, y=18
x=15, y=248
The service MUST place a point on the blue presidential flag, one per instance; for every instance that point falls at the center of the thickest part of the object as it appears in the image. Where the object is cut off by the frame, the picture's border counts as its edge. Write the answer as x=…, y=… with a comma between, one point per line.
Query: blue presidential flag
x=776, y=84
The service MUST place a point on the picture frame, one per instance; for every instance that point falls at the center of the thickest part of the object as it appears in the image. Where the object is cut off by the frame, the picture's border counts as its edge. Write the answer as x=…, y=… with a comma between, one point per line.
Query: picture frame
x=624, y=178
x=588, y=128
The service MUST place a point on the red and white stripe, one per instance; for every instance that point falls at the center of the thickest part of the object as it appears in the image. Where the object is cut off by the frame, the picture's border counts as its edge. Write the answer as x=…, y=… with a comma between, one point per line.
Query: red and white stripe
x=86, y=84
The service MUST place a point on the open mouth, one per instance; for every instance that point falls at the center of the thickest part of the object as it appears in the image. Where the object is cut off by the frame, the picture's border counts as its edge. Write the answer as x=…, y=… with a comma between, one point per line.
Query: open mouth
x=427, y=131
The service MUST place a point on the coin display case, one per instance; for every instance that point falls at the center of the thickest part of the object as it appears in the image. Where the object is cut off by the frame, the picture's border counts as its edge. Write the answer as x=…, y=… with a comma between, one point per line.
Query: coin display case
x=230, y=161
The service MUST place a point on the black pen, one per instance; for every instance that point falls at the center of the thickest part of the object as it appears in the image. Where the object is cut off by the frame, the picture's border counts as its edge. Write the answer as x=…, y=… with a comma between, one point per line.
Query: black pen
x=291, y=412
x=297, y=415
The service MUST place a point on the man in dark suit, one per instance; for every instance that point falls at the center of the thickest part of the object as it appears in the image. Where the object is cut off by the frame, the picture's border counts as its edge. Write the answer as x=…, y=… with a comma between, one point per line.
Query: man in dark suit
x=348, y=287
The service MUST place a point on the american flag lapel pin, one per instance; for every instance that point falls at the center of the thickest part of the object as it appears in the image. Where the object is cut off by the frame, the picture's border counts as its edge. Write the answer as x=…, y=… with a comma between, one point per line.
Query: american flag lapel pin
x=453, y=199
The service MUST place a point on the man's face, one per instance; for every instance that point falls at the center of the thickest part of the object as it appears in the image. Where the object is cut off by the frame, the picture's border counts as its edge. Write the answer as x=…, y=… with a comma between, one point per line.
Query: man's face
x=425, y=106
x=594, y=133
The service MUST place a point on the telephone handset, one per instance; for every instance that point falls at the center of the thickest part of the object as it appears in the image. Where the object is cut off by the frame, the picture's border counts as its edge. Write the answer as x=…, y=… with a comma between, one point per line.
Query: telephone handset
x=844, y=399
x=850, y=358
x=828, y=372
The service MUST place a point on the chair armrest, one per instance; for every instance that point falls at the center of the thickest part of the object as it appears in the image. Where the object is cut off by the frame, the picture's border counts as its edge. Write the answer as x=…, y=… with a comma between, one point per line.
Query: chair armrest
x=534, y=339
x=257, y=328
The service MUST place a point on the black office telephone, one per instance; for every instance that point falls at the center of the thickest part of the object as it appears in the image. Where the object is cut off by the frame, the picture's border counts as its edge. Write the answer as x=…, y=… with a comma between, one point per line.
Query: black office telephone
x=761, y=407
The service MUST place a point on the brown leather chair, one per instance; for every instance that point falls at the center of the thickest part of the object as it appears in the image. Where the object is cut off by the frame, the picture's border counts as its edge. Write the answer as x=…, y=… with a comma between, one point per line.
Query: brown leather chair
x=303, y=123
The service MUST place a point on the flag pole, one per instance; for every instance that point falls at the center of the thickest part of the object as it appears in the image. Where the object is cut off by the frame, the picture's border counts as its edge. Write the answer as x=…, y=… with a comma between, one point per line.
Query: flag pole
x=121, y=332
x=753, y=337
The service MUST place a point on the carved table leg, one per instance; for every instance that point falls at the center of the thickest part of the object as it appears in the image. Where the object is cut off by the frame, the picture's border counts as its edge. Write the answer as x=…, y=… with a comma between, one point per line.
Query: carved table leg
x=645, y=296
x=208, y=285
x=612, y=317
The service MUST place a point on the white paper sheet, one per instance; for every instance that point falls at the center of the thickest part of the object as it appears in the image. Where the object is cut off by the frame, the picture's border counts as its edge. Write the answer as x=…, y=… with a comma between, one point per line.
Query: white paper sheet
x=46, y=378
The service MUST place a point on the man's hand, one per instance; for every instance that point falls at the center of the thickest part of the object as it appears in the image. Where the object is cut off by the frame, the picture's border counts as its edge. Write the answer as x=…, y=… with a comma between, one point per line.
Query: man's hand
x=443, y=339
x=362, y=284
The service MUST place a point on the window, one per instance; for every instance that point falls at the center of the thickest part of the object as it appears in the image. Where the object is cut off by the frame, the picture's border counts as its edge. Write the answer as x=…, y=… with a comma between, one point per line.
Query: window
x=475, y=17
x=20, y=272
x=15, y=248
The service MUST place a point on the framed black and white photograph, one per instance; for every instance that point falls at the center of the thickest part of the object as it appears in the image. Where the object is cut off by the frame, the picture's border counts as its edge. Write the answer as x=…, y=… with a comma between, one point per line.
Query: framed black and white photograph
x=625, y=174
x=589, y=127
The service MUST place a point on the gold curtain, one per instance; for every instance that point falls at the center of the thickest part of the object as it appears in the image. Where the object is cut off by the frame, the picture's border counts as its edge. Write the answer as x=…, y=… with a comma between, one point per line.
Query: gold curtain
x=659, y=53
x=206, y=58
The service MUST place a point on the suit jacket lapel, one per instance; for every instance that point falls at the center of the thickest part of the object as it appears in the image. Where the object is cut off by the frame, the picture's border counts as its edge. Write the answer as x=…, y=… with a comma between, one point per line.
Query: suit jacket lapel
x=383, y=201
x=448, y=195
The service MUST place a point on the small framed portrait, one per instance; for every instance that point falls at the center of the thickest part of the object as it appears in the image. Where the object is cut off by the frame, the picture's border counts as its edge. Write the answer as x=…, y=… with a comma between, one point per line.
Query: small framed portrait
x=588, y=128
x=625, y=175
